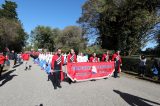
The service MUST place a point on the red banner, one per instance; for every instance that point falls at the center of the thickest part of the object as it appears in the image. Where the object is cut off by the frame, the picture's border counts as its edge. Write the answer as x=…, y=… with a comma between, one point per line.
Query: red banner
x=89, y=71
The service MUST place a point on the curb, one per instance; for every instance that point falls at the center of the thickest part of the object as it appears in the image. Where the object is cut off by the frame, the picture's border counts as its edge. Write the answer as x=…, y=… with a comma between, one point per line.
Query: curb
x=142, y=78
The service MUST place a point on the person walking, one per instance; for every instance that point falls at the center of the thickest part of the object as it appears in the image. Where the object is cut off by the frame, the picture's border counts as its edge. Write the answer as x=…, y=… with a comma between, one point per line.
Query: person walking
x=72, y=58
x=106, y=57
x=81, y=58
x=25, y=58
x=118, y=62
x=93, y=58
x=2, y=60
x=56, y=69
x=142, y=65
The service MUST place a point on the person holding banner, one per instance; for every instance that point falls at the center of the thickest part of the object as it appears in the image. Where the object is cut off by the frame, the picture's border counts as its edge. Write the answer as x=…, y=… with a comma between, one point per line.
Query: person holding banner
x=72, y=58
x=106, y=57
x=118, y=62
x=65, y=58
x=93, y=58
x=81, y=58
x=56, y=69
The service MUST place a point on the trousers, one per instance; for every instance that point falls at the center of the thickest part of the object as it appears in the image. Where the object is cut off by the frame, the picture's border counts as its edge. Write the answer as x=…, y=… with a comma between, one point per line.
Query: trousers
x=57, y=80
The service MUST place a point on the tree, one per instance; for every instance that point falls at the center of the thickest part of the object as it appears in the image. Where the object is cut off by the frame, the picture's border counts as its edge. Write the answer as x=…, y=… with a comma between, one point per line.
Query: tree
x=52, y=39
x=120, y=24
x=12, y=34
x=72, y=38
x=8, y=10
x=57, y=36
x=42, y=37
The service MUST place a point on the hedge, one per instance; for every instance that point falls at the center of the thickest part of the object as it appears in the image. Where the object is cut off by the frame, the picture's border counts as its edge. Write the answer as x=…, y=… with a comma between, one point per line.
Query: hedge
x=132, y=64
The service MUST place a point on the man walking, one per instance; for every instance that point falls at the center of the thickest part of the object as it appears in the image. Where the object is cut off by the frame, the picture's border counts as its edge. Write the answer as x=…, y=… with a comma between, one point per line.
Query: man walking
x=13, y=58
x=25, y=57
x=118, y=62
x=56, y=68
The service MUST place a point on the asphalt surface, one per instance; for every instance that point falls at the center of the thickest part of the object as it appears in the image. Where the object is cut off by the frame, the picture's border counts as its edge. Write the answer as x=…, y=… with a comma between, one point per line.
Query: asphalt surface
x=31, y=88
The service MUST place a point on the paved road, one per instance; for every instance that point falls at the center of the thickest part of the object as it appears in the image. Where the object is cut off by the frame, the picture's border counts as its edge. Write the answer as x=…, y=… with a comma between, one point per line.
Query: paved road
x=31, y=88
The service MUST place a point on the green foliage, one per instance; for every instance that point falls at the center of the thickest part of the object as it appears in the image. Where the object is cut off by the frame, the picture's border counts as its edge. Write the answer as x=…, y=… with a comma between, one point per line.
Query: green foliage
x=72, y=38
x=52, y=39
x=94, y=49
x=12, y=34
x=8, y=10
x=122, y=24
x=41, y=37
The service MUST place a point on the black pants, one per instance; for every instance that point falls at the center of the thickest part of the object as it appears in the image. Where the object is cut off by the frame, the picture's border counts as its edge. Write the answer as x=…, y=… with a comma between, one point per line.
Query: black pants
x=116, y=72
x=1, y=69
x=142, y=70
x=57, y=80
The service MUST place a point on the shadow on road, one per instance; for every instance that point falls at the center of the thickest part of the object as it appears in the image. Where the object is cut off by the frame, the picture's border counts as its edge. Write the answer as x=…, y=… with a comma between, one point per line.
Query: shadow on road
x=15, y=66
x=135, y=100
x=7, y=77
x=39, y=105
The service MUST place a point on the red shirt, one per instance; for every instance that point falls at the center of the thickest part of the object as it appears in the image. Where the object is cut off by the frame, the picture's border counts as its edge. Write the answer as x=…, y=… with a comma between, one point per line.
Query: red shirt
x=93, y=59
x=54, y=59
x=116, y=56
x=69, y=58
x=25, y=56
x=105, y=57
x=2, y=59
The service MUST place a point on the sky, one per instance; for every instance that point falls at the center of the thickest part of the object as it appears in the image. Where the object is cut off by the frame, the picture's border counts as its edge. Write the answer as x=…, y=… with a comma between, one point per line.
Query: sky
x=53, y=13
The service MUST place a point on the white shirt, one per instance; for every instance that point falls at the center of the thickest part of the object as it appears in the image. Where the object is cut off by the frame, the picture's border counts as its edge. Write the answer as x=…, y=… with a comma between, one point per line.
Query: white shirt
x=81, y=59
x=40, y=57
x=65, y=58
x=50, y=58
x=85, y=58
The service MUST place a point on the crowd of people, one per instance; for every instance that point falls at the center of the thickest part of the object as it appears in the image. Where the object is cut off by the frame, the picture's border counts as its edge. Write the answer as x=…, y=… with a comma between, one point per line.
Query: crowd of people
x=52, y=62
x=12, y=60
